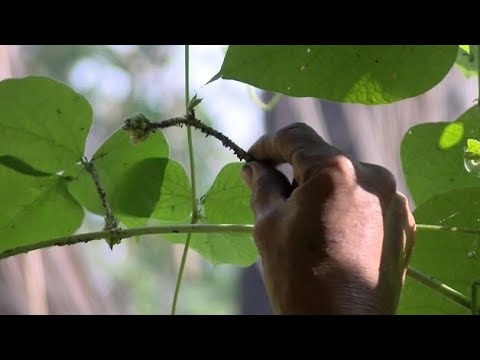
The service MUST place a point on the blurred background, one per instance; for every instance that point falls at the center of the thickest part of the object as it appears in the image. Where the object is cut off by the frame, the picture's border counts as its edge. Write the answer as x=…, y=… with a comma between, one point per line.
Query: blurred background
x=119, y=80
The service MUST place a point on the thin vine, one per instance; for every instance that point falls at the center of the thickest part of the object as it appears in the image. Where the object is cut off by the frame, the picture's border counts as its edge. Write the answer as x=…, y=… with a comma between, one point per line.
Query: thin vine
x=425, y=279
x=440, y=288
x=128, y=233
x=192, y=179
x=111, y=222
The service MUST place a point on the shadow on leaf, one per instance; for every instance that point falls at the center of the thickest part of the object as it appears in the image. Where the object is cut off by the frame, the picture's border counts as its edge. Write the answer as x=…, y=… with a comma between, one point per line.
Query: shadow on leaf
x=138, y=192
x=21, y=166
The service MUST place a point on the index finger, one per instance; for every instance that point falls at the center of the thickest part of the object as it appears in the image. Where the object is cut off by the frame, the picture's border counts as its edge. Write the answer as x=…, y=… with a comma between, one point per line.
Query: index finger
x=297, y=144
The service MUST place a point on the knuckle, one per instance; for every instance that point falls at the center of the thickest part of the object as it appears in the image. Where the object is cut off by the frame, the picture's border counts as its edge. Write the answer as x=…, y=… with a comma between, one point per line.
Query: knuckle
x=296, y=126
x=341, y=165
x=387, y=179
x=294, y=129
x=338, y=169
x=382, y=178
x=402, y=199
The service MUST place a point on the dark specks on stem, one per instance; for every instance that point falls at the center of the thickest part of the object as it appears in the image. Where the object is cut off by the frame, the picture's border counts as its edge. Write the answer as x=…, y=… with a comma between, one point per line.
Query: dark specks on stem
x=140, y=127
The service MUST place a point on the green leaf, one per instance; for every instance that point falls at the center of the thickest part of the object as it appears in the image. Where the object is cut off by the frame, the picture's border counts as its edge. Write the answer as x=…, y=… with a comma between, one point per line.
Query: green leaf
x=451, y=257
x=355, y=74
x=226, y=202
x=140, y=182
x=467, y=60
x=193, y=103
x=21, y=166
x=473, y=150
x=43, y=123
x=228, y=199
x=35, y=209
x=224, y=248
x=433, y=156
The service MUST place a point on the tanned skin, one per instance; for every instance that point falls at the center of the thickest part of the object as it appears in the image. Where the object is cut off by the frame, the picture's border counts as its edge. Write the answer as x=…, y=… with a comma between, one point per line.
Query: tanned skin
x=335, y=241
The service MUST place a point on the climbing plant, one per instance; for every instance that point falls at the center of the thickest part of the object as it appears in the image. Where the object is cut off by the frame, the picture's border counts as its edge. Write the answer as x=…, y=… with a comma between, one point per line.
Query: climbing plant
x=132, y=181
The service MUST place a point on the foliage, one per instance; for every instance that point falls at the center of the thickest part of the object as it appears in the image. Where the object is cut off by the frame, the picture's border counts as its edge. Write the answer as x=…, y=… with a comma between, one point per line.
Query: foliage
x=357, y=74
x=44, y=126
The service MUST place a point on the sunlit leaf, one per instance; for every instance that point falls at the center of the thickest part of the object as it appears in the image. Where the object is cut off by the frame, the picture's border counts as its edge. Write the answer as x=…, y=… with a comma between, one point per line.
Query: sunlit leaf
x=43, y=123
x=139, y=180
x=34, y=209
x=226, y=202
x=354, y=73
x=433, y=156
x=451, y=257
x=467, y=60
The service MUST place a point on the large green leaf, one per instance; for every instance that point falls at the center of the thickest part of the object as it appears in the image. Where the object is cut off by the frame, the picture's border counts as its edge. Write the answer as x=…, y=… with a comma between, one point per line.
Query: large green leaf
x=356, y=74
x=451, y=257
x=34, y=209
x=467, y=60
x=432, y=156
x=226, y=202
x=139, y=180
x=43, y=123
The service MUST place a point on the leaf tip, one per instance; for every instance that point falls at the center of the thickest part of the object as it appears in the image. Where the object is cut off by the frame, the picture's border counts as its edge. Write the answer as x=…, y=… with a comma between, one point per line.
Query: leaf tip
x=216, y=77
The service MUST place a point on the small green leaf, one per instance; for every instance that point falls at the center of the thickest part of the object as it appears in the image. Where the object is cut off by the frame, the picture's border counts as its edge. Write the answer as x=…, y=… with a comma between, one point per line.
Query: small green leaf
x=473, y=150
x=226, y=202
x=193, y=103
x=451, y=257
x=355, y=74
x=35, y=209
x=433, y=156
x=43, y=123
x=140, y=182
x=467, y=60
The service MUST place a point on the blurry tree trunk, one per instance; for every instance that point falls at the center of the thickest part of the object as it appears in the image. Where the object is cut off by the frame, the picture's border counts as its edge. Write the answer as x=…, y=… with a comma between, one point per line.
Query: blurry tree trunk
x=367, y=133
x=50, y=281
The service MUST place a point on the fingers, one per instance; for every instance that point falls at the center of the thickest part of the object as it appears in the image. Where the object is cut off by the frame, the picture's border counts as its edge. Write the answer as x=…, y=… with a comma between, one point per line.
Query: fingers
x=269, y=187
x=297, y=144
x=409, y=225
x=410, y=233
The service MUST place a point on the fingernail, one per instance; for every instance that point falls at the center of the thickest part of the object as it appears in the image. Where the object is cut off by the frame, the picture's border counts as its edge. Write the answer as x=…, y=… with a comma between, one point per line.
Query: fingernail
x=246, y=172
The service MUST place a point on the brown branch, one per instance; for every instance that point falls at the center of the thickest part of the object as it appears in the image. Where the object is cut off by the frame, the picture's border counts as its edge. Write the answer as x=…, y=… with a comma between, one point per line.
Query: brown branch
x=140, y=127
x=111, y=222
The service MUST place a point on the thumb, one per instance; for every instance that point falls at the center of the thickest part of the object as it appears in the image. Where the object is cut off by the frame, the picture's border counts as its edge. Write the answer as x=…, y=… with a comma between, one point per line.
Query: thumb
x=269, y=186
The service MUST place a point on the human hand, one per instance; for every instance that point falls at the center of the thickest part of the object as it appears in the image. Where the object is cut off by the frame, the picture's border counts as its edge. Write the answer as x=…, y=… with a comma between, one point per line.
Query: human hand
x=336, y=241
